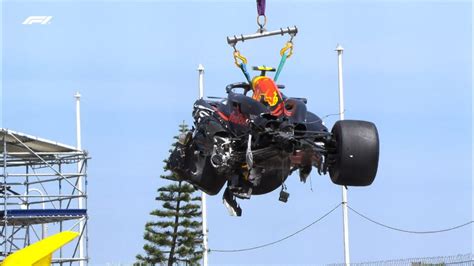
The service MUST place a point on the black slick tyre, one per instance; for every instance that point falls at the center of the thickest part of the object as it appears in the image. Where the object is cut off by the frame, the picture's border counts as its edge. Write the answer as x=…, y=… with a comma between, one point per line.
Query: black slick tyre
x=356, y=153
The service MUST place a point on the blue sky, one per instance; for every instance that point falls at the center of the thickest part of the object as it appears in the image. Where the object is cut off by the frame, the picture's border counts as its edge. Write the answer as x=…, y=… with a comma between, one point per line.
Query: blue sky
x=407, y=65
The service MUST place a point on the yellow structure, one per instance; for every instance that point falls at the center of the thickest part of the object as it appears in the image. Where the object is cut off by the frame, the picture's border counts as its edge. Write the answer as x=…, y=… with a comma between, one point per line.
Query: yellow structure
x=41, y=252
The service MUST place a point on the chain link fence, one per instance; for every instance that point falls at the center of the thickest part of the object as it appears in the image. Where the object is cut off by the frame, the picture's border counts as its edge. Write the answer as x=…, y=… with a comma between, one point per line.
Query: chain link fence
x=462, y=259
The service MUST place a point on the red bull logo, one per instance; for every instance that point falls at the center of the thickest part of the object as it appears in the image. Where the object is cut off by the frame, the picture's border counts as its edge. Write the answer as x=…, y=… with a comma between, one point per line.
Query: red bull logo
x=266, y=89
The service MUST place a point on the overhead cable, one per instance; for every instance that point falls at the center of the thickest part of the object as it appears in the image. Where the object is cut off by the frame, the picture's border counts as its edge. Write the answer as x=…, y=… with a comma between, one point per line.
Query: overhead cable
x=410, y=231
x=281, y=239
x=327, y=214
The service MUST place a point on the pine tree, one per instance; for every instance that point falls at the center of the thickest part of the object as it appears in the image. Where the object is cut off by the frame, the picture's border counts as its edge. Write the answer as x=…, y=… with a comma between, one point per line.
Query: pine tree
x=175, y=237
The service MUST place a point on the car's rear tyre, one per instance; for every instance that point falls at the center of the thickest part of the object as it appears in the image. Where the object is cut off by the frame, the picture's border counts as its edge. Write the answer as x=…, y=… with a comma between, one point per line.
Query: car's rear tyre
x=356, y=153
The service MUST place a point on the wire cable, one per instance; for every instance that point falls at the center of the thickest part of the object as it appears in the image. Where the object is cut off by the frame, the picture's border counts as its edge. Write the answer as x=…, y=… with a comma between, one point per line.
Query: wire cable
x=324, y=216
x=279, y=240
x=321, y=120
x=409, y=231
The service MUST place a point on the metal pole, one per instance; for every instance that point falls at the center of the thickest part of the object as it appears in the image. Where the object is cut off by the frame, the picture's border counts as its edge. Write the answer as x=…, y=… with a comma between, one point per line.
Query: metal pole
x=5, y=213
x=203, y=195
x=345, y=218
x=201, y=81
x=79, y=178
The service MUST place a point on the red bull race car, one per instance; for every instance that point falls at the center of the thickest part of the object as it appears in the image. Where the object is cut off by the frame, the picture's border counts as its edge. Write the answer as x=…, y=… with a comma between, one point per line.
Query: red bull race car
x=256, y=137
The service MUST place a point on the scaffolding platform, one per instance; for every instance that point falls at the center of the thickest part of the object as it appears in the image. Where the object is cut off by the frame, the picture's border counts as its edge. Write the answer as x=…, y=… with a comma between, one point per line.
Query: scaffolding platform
x=31, y=217
x=43, y=188
x=24, y=149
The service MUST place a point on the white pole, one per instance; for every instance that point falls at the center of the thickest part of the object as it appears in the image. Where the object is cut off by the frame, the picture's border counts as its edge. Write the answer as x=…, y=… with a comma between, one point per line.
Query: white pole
x=79, y=178
x=203, y=195
x=201, y=81
x=345, y=218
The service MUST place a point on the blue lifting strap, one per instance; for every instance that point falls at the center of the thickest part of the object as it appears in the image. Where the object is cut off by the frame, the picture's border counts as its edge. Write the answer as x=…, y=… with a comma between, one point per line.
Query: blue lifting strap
x=280, y=66
x=243, y=67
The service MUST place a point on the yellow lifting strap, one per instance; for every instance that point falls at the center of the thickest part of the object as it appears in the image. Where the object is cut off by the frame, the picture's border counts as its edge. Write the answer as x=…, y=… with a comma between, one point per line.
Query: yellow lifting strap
x=41, y=252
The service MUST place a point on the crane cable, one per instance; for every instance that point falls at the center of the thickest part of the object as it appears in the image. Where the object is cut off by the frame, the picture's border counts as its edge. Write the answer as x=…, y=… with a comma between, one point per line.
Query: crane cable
x=261, y=14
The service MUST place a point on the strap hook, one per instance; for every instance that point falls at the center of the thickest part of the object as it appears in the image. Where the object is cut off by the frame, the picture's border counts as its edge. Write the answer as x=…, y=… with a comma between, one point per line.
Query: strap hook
x=237, y=57
x=288, y=46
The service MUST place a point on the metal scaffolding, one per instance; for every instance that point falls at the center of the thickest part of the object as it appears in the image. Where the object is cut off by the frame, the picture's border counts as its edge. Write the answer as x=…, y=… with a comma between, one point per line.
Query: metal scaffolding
x=43, y=185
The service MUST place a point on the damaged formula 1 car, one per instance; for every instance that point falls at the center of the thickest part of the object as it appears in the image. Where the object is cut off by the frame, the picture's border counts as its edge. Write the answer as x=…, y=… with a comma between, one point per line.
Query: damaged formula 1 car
x=254, y=142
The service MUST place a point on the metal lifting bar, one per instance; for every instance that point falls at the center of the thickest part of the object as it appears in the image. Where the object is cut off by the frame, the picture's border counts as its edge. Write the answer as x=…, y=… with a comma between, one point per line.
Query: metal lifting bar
x=232, y=41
